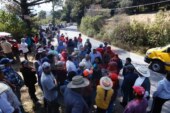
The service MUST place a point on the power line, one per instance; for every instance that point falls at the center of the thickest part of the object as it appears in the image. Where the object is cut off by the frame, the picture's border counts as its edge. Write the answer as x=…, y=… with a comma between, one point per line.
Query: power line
x=130, y=6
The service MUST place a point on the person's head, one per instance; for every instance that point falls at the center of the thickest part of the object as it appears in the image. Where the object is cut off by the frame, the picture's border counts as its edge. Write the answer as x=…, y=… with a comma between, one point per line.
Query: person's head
x=3, y=39
x=82, y=65
x=112, y=66
x=60, y=65
x=80, y=35
x=139, y=92
x=6, y=61
x=105, y=44
x=70, y=40
x=51, y=57
x=88, y=40
x=168, y=75
x=94, y=51
x=101, y=46
x=75, y=38
x=46, y=68
x=52, y=47
x=106, y=83
x=25, y=63
x=128, y=60
x=22, y=40
x=78, y=83
x=70, y=58
x=87, y=57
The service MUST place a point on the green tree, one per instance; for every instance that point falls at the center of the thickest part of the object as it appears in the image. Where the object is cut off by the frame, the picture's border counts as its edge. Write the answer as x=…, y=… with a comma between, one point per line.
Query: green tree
x=75, y=9
x=57, y=14
x=42, y=14
x=11, y=23
x=25, y=8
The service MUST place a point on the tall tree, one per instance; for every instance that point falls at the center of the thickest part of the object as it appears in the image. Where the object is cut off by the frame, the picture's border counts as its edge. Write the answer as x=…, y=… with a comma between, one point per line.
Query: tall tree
x=42, y=14
x=25, y=7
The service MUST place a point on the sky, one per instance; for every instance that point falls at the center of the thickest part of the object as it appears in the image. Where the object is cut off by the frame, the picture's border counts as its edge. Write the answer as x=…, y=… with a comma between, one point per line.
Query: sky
x=45, y=7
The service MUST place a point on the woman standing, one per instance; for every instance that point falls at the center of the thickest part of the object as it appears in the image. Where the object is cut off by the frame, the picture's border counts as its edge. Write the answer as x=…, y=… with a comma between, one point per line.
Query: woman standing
x=104, y=94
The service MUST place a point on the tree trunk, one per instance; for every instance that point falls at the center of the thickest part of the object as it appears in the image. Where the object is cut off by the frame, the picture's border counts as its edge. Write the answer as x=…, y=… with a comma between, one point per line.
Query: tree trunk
x=25, y=12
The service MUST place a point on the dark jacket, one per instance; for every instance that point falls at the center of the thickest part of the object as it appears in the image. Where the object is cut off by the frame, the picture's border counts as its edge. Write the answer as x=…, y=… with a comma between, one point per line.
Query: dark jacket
x=128, y=83
x=147, y=86
x=29, y=76
x=124, y=73
x=74, y=102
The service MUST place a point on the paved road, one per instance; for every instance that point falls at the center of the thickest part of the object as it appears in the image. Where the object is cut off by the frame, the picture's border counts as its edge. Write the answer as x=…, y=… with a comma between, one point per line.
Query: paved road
x=137, y=60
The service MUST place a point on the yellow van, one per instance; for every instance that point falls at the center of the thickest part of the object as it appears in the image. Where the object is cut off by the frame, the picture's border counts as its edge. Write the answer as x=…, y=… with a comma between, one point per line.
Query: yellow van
x=159, y=59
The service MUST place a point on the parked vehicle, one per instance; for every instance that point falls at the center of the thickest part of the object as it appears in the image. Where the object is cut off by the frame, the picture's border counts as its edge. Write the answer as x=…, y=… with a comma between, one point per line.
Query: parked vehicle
x=159, y=59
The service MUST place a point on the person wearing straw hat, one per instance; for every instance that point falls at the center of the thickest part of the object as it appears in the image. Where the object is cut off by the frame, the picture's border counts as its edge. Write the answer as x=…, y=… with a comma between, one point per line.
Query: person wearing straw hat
x=143, y=80
x=104, y=94
x=139, y=104
x=73, y=97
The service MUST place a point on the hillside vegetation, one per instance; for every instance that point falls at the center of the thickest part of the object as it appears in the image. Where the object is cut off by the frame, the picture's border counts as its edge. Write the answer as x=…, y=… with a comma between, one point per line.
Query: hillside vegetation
x=132, y=33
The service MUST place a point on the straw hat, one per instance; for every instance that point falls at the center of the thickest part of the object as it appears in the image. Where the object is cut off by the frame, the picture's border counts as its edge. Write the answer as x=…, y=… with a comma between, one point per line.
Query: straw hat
x=106, y=83
x=78, y=82
x=143, y=71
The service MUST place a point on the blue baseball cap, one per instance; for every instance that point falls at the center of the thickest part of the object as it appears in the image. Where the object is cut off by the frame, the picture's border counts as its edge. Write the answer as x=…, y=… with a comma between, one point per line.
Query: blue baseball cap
x=5, y=61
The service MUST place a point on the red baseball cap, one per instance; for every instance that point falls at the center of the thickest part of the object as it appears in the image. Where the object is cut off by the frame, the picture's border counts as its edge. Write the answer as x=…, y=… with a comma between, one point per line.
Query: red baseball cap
x=139, y=90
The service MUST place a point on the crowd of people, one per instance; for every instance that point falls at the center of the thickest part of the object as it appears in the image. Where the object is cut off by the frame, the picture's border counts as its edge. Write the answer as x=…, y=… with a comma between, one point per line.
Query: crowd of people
x=76, y=78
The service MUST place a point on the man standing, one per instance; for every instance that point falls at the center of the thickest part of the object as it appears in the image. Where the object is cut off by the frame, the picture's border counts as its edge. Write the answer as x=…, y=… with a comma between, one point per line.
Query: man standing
x=7, y=48
x=70, y=66
x=128, y=62
x=127, y=85
x=161, y=95
x=95, y=54
x=49, y=86
x=87, y=62
x=139, y=104
x=73, y=98
x=30, y=79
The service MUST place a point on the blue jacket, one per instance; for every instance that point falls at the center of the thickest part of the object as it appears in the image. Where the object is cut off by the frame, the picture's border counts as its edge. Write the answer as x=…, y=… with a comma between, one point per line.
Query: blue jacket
x=74, y=102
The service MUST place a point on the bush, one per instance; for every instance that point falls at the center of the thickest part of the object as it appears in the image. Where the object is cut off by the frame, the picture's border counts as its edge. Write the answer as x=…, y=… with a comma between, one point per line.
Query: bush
x=91, y=25
x=137, y=36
